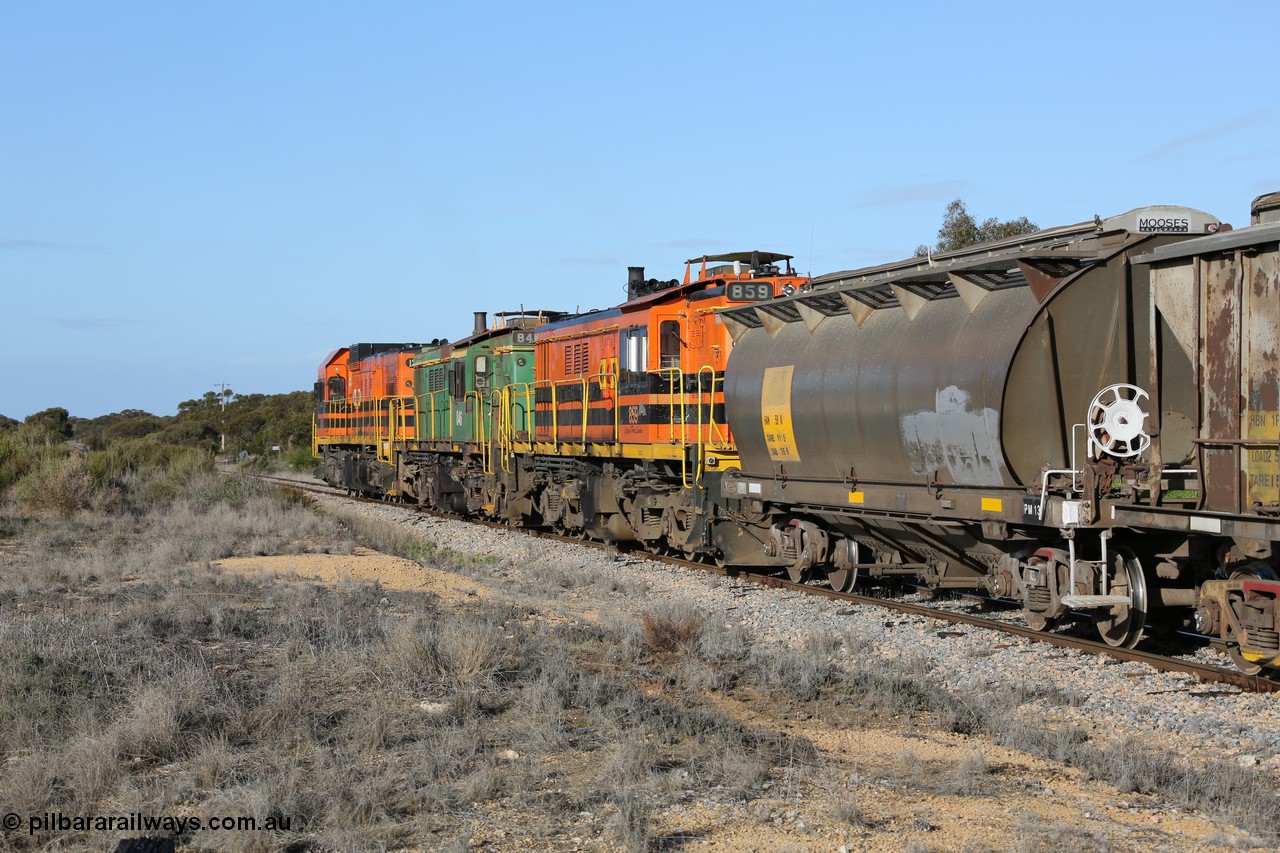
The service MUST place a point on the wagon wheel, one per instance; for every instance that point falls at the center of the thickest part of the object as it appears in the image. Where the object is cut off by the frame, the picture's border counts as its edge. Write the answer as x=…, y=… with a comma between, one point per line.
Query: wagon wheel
x=1039, y=621
x=1122, y=625
x=842, y=580
x=799, y=574
x=1232, y=642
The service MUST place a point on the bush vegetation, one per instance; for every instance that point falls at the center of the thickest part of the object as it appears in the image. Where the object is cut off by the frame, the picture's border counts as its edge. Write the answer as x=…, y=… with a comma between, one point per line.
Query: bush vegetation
x=252, y=423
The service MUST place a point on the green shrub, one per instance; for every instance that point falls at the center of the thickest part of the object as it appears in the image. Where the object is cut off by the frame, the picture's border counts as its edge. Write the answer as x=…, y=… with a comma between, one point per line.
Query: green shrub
x=130, y=457
x=300, y=459
x=57, y=484
x=15, y=461
x=21, y=449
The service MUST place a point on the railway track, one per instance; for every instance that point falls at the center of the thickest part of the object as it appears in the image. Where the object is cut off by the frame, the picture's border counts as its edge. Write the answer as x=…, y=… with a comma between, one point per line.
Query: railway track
x=1165, y=663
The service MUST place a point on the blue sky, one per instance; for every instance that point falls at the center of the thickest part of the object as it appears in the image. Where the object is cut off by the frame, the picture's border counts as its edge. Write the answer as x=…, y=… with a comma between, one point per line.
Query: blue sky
x=201, y=193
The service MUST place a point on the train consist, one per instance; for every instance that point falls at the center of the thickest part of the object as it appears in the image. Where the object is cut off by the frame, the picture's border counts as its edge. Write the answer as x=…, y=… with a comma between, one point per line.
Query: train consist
x=1082, y=420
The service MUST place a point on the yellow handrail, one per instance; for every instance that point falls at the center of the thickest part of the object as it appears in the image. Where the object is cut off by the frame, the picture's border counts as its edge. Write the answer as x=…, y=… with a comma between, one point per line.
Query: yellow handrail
x=674, y=393
x=529, y=405
x=477, y=425
x=502, y=429
x=377, y=432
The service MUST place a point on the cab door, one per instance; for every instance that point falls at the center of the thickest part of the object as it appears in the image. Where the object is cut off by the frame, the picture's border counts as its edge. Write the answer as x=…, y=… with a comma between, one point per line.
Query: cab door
x=670, y=335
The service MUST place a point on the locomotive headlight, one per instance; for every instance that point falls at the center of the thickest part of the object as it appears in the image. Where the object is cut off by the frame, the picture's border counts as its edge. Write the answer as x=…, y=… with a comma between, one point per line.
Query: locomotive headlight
x=788, y=289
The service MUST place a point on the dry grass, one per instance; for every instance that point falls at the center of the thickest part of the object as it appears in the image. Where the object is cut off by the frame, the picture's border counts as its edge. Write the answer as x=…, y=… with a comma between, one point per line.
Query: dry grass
x=135, y=677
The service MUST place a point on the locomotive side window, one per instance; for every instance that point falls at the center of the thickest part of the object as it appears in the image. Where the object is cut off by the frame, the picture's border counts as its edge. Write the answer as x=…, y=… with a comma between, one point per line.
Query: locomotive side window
x=459, y=384
x=669, y=344
x=634, y=361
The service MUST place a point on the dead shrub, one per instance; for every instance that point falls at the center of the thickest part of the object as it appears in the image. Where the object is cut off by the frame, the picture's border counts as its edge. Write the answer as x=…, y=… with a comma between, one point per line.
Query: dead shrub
x=630, y=824
x=968, y=777
x=470, y=651
x=847, y=810
x=89, y=768
x=670, y=632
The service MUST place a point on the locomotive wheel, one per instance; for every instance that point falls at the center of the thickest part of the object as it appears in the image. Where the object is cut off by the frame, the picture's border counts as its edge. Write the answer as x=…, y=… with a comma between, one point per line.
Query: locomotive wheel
x=1122, y=626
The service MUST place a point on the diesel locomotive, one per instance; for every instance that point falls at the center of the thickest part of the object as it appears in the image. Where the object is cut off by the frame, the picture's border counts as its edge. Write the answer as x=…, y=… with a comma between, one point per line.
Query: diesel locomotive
x=1081, y=420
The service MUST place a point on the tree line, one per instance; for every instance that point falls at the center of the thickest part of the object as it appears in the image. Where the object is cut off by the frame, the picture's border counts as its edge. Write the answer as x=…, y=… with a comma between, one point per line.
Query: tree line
x=252, y=423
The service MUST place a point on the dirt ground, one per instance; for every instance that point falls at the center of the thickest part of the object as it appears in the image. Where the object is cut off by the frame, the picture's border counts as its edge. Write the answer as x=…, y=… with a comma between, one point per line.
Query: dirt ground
x=884, y=788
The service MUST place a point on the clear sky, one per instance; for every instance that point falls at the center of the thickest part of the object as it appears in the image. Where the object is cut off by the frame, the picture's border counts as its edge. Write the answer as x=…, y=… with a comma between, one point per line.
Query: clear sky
x=196, y=193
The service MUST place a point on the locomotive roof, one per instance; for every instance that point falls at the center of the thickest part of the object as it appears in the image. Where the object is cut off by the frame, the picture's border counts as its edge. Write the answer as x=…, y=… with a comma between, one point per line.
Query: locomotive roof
x=359, y=352
x=743, y=257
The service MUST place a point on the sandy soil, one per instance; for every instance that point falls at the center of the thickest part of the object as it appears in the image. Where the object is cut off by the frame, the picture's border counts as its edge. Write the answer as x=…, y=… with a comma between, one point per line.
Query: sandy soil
x=900, y=789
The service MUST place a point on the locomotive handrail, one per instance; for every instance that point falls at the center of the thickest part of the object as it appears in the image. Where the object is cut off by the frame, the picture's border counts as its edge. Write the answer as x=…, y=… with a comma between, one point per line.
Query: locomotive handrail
x=396, y=427
x=712, y=428
x=529, y=405
x=602, y=378
x=477, y=425
x=586, y=408
x=711, y=422
x=676, y=377
x=674, y=392
x=585, y=382
x=501, y=431
x=391, y=429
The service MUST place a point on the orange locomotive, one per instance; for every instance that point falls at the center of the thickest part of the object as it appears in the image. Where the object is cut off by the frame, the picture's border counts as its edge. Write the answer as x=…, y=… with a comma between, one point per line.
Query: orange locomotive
x=364, y=404
x=619, y=432
x=628, y=406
